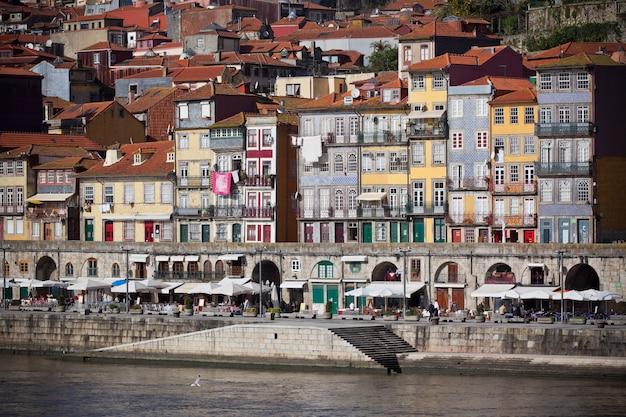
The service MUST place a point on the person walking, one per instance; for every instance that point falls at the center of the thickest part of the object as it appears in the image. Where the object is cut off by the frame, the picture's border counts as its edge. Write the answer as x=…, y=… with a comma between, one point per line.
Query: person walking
x=436, y=306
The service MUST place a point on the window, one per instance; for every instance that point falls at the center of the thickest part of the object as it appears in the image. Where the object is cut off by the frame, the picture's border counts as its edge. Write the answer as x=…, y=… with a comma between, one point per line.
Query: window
x=23, y=267
x=268, y=140
x=89, y=193
x=513, y=145
x=498, y=116
x=108, y=194
x=2, y=172
x=582, y=81
x=183, y=111
x=293, y=90
x=36, y=231
x=457, y=140
x=19, y=168
x=381, y=232
x=439, y=152
x=424, y=53
x=529, y=145
x=167, y=231
x=456, y=109
x=482, y=108
x=545, y=115
x=419, y=82
x=50, y=175
x=296, y=265
x=564, y=81
x=170, y=157
x=545, y=82
x=565, y=191
x=96, y=58
x=513, y=115
x=166, y=193
x=325, y=269
x=68, y=176
x=205, y=142
x=582, y=114
x=115, y=270
x=439, y=82
x=529, y=115
x=183, y=142
x=338, y=165
x=69, y=269
x=564, y=114
x=582, y=191
x=582, y=151
x=514, y=206
x=252, y=139
x=339, y=127
x=514, y=173
x=129, y=230
x=205, y=109
x=366, y=162
x=148, y=193
x=418, y=153
x=408, y=54
x=381, y=162
x=195, y=232
x=352, y=163
x=439, y=193
x=482, y=141
x=129, y=193
x=92, y=267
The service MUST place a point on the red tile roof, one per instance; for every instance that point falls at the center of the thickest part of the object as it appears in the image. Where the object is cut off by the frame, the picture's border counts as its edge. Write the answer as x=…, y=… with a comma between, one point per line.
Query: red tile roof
x=443, y=61
x=502, y=83
x=18, y=72
x=11, y=140
x=156, y=164
x=209, y=91
x=526, y=95
x=105, y=46
x=150, y=98
x=47, y=150
x=70, y=162
x=572, y=48
x=87, y=110
x=444, y=29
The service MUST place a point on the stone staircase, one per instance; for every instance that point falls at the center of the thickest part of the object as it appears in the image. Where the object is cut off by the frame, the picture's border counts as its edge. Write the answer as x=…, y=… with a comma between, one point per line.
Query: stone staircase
x=377, y=342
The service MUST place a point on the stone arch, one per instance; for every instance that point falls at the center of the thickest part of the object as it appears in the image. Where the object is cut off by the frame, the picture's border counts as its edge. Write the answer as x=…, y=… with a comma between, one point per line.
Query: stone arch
x=46, y=269
x=500, y=273
x=385, y=271
x=448, y=272
x=581, y=277
x=269, y=273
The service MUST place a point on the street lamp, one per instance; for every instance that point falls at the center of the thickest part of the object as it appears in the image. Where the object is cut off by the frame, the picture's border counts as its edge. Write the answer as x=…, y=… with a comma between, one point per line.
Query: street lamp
x=560, y=252
x=4, y=276
x=404, y=252
x=126, y=278
x=261, y=280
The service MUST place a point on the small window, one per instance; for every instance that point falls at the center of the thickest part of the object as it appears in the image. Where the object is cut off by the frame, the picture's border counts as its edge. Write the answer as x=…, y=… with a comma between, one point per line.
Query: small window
x=69, y=269
x=23, y=267
x=295, y=265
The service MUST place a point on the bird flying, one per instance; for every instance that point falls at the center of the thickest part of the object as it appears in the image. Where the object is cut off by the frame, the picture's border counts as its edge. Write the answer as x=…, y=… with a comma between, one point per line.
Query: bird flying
x=196, y=383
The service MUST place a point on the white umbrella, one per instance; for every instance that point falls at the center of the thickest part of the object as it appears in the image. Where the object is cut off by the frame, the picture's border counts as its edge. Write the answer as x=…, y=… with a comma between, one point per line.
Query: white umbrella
x=206, y=288
x=231, y=288
x=358, y=292
x=255, y=286
x=31, y=283
x=383, y=292
x=511, y=295
x=540, y=295
x=154, y=283
x=88, y=284
x=9, y=284
x=275, y=299
x=133, y=287
x=50, y=283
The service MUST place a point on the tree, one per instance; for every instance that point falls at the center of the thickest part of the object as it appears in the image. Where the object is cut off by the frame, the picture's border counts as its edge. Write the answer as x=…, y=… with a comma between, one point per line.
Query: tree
x=383, y=57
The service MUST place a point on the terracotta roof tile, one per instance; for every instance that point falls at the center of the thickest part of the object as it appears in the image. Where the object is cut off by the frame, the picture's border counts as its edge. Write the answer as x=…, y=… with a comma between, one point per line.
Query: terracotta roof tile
x=502, y=83
x=87, y=110
x=70, y=162
x=236, y=120
x=150, y=98
x=209, y=91
x=99, y=46
x=526, y=95
x=156, y=164
x=10, y=140
x=580, y=60
x=443, y=61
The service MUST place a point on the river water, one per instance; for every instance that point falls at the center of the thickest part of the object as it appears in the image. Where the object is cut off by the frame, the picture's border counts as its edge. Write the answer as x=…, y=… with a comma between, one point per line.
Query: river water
x=40, y=386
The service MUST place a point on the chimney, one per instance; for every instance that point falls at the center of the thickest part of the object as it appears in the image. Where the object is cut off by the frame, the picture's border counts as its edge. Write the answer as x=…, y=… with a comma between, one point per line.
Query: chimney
x=113, y=155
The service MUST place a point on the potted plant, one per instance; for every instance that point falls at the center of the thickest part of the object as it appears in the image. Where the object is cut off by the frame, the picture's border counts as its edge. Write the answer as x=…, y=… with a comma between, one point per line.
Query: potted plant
x=413, y=314
x=188, y=311
x=249, y=312
x=114, y=308
x=390, y=315
x=578, y=320
x=272, y=313
x=480, y=313
x=61, y=303
x=136, y=309
x=15, y=305
x=545, y=319
x=328, y=310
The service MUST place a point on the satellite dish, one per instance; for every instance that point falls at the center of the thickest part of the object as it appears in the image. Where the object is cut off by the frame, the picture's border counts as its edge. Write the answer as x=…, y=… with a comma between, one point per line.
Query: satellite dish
x=355, y=93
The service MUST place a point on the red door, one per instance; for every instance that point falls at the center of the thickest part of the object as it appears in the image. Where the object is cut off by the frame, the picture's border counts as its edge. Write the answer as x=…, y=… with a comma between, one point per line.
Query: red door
x=108, y=231
x=456, y=235
x=267, y=233
x=442, y=298
x=529, y=236
x=149, y=231
x=458, y=297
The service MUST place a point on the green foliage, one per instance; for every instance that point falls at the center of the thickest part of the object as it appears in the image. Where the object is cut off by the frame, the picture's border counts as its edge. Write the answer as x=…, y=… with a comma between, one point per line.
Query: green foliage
x=589, y=32
x=329, y=306
x=383, y=57
x=413, y=312
x=61, y=300
x=135, y=307
x=480, y=309
x=189, y=303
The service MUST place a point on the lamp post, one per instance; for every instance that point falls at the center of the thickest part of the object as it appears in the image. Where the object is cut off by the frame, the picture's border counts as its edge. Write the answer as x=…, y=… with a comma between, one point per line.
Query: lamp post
x=4, y=277
x=126, y=278
x=261, y=280
x=404, y=252
x=560, y=252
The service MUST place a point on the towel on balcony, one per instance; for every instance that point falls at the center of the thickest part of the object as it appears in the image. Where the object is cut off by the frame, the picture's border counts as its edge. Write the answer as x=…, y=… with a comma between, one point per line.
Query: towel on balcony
x=221, y=183
x=235, y=175
x=311, y=149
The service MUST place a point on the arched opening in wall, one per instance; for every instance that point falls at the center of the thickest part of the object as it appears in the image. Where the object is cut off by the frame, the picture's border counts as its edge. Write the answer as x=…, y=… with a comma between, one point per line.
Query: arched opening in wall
x=46, y=269
x=500, y=273
x=269, y=273
x=385, y=271
x=582, y=277
x=450, y=287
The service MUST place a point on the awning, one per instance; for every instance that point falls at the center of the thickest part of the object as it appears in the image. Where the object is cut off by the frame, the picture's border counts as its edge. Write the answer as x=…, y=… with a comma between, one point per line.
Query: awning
x=431, y=114
x=192, y=258
x=44, y=197
x=294, y=285
x=177, y=258
x=138, y=257
x=229, y=257
x=171, y=286
x=153, y=216
x=162, y=258
x=391, y=290
x=492, y=290
x=186, y=287
x=371, y=196
x=354, y=258
x=450, y=285
x=536, y=265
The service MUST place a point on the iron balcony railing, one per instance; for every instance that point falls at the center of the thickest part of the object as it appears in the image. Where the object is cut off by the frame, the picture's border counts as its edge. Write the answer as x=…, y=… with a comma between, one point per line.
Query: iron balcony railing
x=468, y=183
x=514, y=188
x=564, y=129
x=382, y=136
x=437, y=128
x=469, y=219
x=189, y=275
x=13, y=208
x=224, y=212
x=563, y=168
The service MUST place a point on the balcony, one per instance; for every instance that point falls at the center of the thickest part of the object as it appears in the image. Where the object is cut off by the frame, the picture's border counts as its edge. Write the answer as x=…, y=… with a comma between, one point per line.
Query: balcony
x=427, y=208
x=259, y=181
x=469, y=219
x=382, y=136
x=514, y=188
x=227, y=212
x=564, y=129
x=193, y=182
x=424, y=129
x=519, y=220
x=545, y=169
x=190, y=276
x=45, y=213
x=11, y=209
x=467, y=183
x=317, y=213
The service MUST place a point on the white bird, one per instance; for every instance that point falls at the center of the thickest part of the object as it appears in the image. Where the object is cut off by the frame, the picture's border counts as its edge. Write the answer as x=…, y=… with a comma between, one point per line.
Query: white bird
x=196, y=383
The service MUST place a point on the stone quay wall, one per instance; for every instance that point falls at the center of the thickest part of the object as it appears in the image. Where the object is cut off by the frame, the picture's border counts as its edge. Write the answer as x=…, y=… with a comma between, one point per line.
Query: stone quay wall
x=284, y=341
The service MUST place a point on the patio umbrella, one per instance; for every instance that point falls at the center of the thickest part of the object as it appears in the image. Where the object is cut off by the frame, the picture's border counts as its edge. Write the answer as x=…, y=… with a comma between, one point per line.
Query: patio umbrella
x=275, y=299
x=538, y=295
x=231, y=288
x=358, y=292
x=154, y=283
x=254, y=286
x=88, y=284
x=9, y=284
x=58, y=284
x=206, y=288
x=133, y=287
x=31, y=283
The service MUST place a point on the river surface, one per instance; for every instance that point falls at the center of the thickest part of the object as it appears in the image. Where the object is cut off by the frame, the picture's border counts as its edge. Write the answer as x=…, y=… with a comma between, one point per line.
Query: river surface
x=40, y=386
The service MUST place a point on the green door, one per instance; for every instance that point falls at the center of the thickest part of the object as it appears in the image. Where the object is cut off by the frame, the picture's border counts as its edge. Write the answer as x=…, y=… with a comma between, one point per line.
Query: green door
x=393, y=232
x=440, y=230
x=206, y=232
x=89, y=230
x=318, y=294
x=418, y=230
x=367, y=232
x=404, y=232
x=237, y=233
x=332, y=293
x=184, y=233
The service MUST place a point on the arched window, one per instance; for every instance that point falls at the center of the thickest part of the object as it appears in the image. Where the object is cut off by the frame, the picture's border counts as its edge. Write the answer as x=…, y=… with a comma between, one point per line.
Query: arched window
x=115, y=273
x=339, y=200
x=69, y=269
x=92, y=267
x=219, y=269
x=352, y=163
x=206, y=268
x=325, y=269
x=192, y=269
x=338, y=163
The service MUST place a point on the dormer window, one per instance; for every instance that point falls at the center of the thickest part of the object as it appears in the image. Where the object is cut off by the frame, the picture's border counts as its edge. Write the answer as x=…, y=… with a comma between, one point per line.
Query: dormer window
x=137, y=160
x=170, y=157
